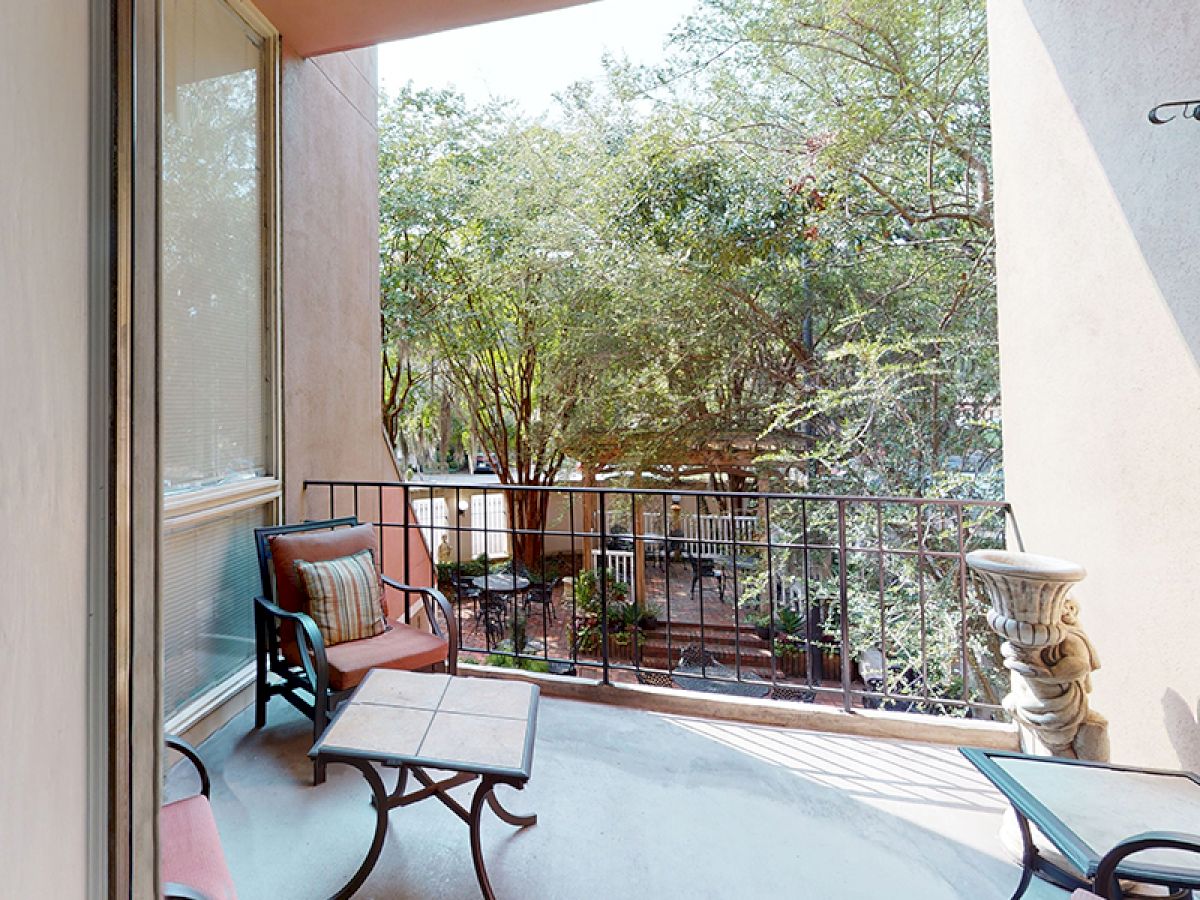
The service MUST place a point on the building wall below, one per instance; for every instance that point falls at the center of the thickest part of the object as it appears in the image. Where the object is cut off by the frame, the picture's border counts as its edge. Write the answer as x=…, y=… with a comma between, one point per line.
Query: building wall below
x=43, y=447
x=1098, y=237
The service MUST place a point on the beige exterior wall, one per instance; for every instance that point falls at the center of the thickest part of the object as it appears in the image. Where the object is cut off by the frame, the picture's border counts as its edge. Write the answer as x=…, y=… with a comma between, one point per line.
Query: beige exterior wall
x=331, y=370
x=43, y=446
x=332, y=426
x=1098, y=238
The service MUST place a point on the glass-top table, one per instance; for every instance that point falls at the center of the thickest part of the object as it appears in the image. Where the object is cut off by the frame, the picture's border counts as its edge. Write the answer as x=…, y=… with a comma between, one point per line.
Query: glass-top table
x=475, y=728
x=1086, y=809
x=501, y=583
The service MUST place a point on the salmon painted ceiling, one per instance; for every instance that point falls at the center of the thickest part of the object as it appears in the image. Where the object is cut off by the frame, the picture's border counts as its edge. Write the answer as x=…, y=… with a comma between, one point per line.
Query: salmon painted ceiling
x=312, y=27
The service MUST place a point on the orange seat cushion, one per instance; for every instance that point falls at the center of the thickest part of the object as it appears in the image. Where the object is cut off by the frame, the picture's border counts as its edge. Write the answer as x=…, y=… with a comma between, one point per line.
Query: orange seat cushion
x=401, y=647
x=191, y=849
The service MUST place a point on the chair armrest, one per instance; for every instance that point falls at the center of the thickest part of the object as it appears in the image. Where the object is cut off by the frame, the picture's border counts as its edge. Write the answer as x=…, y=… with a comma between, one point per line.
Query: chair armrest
x=1106, y=881
x=181, y=746
x=174, y=891
x=309, y=634
x=428, y=594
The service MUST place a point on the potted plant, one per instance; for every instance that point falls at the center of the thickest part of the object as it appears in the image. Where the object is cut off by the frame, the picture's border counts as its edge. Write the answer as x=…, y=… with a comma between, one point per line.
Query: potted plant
x=623, y=645
x=650, y=613
x=761, y=623
x=789, y=647
x=789, y=651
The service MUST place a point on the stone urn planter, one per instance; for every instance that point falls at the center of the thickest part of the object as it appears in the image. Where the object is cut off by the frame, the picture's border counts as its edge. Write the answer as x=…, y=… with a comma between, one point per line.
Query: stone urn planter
x=1049, y=657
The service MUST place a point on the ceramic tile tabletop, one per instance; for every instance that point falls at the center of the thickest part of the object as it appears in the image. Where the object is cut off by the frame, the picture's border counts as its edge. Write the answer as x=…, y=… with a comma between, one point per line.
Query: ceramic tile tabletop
x=472, y=724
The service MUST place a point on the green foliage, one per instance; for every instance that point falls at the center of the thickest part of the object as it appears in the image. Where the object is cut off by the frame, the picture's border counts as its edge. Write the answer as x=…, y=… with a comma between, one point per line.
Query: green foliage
x=517, y=662
x=789, y=622
x=470, y=569
x=780, y=237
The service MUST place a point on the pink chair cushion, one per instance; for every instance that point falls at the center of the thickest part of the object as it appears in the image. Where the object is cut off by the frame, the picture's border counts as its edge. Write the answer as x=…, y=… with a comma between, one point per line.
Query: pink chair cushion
x=191, y=848
x=1081, y=894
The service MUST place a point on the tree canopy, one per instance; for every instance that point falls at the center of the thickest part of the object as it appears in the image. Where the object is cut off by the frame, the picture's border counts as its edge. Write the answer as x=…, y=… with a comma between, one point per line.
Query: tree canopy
x=779, y=239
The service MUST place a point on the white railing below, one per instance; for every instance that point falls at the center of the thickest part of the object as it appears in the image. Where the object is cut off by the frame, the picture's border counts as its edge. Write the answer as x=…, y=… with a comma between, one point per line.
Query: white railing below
x=621, y=563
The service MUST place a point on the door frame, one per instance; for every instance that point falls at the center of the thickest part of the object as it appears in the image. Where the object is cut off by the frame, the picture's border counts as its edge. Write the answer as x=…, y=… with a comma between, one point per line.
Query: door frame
x=124, y=705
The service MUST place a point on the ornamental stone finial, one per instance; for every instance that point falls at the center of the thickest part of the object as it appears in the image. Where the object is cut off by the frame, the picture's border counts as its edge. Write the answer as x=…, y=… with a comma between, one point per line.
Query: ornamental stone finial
x=1047, y=653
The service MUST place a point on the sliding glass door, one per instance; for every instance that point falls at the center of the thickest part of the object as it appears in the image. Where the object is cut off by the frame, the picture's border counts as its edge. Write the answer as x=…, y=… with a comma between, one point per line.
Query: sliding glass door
x=218, y=367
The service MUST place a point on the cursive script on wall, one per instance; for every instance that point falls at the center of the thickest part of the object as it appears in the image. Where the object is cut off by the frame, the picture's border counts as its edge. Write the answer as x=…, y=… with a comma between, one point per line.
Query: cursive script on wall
x=1167, y=112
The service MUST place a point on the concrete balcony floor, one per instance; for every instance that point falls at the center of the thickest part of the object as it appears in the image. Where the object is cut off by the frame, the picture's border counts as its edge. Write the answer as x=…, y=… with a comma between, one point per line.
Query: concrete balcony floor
x=633, y=805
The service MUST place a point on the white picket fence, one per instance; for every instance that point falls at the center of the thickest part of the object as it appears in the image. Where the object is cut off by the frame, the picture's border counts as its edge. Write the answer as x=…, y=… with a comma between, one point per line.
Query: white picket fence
x=621, y=564
x=707, y=534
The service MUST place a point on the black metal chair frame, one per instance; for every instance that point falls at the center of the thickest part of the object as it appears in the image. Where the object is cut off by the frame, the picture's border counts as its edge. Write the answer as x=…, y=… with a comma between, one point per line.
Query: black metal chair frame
x=1108, y=885
x=465, y=591
x=311, y=678
x=542, y=593
x=705, y=567
x=492, y=609
x=173, y=890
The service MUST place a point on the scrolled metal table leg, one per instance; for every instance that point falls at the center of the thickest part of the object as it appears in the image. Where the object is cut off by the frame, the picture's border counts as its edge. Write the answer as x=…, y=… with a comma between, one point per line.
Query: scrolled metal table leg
x=483, y=792
x=506, y=816
x=379, y=799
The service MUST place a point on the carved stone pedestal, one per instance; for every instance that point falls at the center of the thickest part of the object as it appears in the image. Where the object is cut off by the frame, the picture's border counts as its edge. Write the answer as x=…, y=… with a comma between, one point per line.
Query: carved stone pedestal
x=1045, y=650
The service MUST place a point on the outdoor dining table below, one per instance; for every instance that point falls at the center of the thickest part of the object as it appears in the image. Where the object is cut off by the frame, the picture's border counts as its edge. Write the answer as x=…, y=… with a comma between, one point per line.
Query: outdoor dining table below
x=501, y=583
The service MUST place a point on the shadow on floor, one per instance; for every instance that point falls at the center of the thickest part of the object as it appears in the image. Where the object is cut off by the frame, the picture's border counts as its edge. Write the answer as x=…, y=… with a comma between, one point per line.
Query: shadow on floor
x=631, y=805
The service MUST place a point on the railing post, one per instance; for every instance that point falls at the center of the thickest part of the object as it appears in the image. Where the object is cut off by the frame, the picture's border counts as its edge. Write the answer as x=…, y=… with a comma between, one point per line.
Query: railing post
x=844, y=604
x=407, y=554
x=603, y=579
x=771, y=585
x=456, y=581
x=737, y=621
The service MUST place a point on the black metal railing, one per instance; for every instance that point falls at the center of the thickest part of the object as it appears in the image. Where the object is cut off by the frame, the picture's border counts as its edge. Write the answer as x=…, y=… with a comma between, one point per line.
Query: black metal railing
x=828, y=599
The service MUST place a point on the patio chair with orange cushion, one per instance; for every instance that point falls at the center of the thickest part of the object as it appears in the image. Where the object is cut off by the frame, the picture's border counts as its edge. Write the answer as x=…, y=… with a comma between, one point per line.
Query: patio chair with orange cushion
x=320, y=647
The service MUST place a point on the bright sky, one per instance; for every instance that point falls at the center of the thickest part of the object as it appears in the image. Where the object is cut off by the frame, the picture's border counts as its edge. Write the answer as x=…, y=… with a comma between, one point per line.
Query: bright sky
x=531, y=58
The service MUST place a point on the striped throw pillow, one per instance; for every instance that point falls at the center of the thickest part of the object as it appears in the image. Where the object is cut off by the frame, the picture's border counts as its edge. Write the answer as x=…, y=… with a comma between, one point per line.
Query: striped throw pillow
x=345, y=597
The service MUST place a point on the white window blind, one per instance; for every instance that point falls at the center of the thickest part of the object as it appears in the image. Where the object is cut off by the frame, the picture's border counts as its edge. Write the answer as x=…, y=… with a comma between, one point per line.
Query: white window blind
x=215, y=387
x=217, y=411
x=434, y=518
x=489, y=512
x=210, y=577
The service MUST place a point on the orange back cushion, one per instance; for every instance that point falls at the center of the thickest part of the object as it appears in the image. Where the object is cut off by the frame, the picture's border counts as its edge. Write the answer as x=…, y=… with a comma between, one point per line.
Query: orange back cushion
x=312, y=546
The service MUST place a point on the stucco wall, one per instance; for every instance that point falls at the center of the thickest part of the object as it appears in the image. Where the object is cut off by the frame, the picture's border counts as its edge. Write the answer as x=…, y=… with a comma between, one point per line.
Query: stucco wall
x=1098, y=238
x=43, y=445
x=331, y=369
x=332, y=427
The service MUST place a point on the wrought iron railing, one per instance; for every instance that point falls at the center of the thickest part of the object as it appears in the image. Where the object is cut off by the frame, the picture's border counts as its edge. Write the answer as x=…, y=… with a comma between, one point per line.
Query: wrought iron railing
x=831, y=599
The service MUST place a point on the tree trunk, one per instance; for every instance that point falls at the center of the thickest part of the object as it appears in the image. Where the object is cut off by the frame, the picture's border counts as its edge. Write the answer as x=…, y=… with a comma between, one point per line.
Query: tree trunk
x=528, y=510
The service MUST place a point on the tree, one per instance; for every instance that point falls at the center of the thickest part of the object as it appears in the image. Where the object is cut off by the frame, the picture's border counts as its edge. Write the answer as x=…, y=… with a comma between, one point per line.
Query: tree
x=479, y=264
x=878, y=282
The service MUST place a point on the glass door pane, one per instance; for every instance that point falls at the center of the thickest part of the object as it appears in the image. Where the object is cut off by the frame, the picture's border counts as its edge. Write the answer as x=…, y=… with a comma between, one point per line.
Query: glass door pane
x=215, y=398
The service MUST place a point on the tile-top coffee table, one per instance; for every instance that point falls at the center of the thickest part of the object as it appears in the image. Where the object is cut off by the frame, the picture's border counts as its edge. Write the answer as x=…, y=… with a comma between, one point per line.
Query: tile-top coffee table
x=413, y=721
x=1088, y=810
